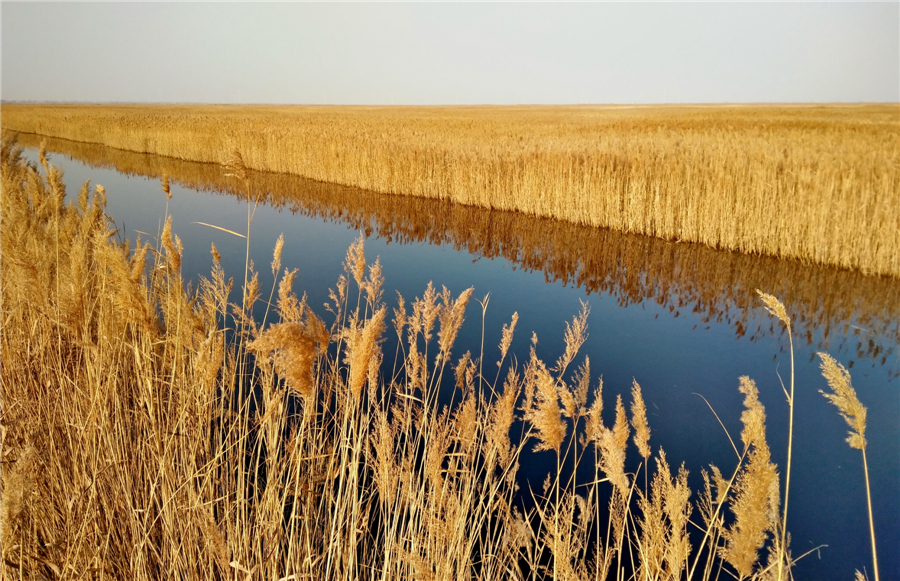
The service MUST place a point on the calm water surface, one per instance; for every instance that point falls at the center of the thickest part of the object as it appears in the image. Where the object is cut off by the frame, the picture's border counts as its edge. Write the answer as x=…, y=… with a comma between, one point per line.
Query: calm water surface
x=680, y=319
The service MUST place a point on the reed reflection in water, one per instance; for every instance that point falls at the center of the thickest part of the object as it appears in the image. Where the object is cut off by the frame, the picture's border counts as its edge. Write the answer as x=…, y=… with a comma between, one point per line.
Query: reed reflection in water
x=833, y=309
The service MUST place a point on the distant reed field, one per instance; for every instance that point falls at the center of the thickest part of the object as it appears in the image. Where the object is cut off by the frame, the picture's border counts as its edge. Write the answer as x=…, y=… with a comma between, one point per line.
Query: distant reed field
x=818, y=183
x=151, y=431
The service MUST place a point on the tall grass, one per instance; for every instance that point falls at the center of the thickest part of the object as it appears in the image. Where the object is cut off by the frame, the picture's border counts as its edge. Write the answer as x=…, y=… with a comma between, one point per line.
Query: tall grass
x=718, y=285
x=152, y=432
x=735, y=178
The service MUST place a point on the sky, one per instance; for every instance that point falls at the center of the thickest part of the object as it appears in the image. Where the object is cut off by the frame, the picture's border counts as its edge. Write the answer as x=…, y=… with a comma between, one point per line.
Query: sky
x=451, y=53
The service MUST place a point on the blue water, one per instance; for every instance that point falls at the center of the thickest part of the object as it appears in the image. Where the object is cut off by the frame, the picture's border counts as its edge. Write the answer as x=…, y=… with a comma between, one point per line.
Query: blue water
x=673, y=357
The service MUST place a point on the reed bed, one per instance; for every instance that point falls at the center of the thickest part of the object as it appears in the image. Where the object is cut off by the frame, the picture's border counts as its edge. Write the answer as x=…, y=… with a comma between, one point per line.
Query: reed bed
x=824, y=301
x=151, y=431
x=816, y=183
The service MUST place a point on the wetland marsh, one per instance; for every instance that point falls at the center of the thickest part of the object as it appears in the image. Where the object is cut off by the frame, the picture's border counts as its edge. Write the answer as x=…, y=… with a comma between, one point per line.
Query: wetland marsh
x=679, y=319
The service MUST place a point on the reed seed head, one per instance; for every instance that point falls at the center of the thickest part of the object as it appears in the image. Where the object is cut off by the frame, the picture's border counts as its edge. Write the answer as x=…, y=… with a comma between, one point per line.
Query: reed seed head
x=217, y=258
x=575, y=336
x=506, y=339
x=501, y=418
x=594, y=427
x=843, y=396
x=355, y=263
x=775, y=307
x=361, y=347
x=612, y=444
x=545, y=412
x=755, y=490
x=639, y=421
x=620, y=429
x=451, y=319
x=276, y=255
x=753, y=416
x=172, y=246
x=373, y=285
x=293, y=347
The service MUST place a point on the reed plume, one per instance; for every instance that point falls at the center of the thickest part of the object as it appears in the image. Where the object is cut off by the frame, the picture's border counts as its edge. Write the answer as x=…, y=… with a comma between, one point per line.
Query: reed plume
x=507, y=337
x=663, y=541
x=594, y=419
x=450, y=318
x=543, y=412
x=362, y=346
x=639, y=421
x=501, y=419
x=755, y=491
x=575, y=336
x=844, y=398
x=613, y=444
x=292, y=347
x=355, y=263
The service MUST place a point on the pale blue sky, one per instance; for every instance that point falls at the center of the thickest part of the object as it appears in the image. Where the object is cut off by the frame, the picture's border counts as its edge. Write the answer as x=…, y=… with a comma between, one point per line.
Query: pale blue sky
x=455, y=53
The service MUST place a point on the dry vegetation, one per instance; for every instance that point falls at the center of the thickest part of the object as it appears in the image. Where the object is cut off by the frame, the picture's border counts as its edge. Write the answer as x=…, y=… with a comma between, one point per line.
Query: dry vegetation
x=818, y=183
x=824, y=301
x=150, y=432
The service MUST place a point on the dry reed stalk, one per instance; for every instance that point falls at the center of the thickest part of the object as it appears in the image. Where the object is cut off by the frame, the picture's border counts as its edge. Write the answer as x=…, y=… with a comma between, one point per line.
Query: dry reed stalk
x=17, y=486
x=777, y=310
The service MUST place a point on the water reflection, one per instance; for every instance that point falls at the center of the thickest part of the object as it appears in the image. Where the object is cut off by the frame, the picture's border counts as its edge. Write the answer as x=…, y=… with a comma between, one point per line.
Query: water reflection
x=833, y=309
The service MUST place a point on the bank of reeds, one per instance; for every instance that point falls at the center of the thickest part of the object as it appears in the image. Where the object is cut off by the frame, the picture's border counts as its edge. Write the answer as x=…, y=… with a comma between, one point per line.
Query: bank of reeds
x=150, y=431
x=818, y=183
x=719, y=285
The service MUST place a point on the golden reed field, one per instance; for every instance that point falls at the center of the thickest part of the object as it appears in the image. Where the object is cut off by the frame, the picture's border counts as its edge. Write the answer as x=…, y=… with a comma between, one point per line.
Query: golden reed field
x=151, y=431
x=721, y=285
x=817, y=183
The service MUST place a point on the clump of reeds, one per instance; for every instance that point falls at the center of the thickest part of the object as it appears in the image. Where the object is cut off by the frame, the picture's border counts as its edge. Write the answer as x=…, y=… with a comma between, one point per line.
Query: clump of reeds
x=142, y=439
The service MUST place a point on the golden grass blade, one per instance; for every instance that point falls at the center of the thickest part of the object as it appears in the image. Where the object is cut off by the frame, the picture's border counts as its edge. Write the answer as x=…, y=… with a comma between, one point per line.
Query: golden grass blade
x=220, y=228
